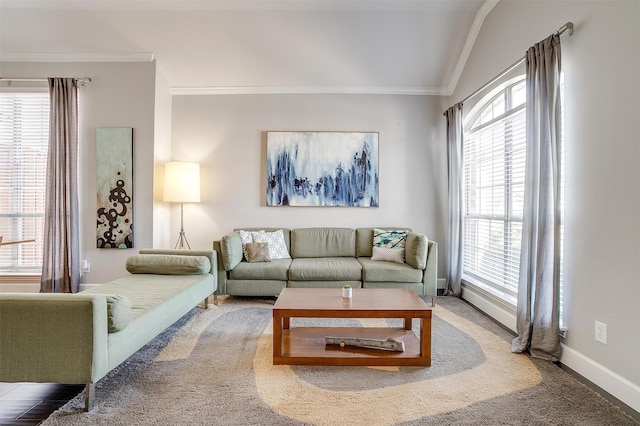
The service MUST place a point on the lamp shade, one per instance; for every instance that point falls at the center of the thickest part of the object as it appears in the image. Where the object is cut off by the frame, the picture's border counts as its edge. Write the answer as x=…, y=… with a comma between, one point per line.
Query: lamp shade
x=181, y=182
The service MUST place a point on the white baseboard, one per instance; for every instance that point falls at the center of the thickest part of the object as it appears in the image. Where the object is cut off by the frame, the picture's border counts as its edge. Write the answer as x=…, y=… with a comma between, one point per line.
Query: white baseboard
x=613, y=383
x=503, y=315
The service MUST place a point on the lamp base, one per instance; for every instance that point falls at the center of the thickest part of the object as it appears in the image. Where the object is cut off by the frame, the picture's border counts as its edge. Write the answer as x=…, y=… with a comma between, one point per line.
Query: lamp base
x=182, y=241
x=182, y=238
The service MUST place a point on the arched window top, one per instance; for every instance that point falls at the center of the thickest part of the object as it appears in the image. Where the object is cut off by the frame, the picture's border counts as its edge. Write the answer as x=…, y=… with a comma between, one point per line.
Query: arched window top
x=497, y=104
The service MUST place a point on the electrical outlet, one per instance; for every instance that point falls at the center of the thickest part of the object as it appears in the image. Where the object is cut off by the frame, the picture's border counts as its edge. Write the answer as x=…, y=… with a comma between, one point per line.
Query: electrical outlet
x=86, y=266
x=601, y=332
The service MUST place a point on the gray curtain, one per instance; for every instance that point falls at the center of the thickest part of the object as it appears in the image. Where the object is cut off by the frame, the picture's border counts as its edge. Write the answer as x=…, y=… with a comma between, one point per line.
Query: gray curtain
x=61, y=264
x=538, y=286
x=454, y=236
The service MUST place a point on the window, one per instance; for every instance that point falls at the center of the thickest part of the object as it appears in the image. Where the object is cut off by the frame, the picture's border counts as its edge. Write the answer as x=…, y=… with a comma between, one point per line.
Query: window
x=24, y=130
x=494, y=166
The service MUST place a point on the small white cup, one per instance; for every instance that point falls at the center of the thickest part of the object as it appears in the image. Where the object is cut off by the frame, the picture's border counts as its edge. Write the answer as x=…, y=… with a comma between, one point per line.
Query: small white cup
x=347, y=292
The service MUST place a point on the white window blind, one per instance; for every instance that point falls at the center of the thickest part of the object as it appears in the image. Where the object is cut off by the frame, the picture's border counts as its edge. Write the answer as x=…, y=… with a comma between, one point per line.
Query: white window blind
x=494, y=167
x=24, y=130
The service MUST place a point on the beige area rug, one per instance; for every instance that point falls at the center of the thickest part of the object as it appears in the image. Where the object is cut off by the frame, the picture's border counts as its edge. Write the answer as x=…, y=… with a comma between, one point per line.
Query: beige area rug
x=214, y=367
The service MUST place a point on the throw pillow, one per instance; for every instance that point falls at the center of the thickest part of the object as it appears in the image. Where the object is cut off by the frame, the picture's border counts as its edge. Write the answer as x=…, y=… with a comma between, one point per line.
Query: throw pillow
x=246, y=237
x=277, y=245
x=389, y=244
x=258, y=252
x=118, y=312
x=168, y=264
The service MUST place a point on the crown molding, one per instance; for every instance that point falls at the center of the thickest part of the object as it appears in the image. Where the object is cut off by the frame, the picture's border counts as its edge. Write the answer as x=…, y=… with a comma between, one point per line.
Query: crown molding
x=482, y=13
x=351, y=5
x=303, y=90
x=76, y=57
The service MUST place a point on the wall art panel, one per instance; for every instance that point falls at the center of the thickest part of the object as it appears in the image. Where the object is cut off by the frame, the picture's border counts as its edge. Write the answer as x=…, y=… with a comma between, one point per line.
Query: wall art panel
x=114, y=155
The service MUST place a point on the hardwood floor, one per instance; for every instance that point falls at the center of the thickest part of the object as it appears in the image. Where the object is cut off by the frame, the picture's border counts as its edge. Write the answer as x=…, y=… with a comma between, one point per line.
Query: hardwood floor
x=31, y=403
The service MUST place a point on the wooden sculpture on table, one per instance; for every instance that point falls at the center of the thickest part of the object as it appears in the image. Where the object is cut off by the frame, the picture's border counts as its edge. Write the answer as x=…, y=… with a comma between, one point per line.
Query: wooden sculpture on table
x=389, y=344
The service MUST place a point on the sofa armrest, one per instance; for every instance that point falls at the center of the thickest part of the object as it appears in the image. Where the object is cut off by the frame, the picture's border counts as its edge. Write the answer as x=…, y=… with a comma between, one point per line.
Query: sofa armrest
x=231, y=249
x=221, y=273
x=430, y=275
x=59, y=338
x=416, y=250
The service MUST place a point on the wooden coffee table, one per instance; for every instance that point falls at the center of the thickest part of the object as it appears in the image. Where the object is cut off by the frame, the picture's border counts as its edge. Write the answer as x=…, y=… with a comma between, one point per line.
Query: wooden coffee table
x=306, y=345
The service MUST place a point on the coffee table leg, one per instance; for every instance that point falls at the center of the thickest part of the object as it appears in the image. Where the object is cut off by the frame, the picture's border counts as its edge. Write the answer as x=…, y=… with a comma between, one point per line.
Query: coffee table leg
x=277, y=336
x=425, y=340
x=408, y=323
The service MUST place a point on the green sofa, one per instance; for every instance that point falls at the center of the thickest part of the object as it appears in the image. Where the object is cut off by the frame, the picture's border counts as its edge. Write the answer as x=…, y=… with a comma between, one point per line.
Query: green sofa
x=326, y=257
x=78, y=338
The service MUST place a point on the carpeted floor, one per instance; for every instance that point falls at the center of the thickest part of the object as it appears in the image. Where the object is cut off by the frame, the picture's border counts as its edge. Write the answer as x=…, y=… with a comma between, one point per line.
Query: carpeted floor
x=214, y=367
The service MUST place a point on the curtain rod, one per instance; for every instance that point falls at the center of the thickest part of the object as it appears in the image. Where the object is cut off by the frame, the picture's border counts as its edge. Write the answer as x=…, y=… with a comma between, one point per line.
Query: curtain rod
x=566, y=27
x=81, y=80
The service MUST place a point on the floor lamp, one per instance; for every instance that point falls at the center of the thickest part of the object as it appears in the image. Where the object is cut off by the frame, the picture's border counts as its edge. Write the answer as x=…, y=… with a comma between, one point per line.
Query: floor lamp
x=182, y=185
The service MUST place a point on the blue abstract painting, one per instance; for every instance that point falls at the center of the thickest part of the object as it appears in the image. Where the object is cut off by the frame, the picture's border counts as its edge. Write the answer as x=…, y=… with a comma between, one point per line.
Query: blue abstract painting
x=322, y=169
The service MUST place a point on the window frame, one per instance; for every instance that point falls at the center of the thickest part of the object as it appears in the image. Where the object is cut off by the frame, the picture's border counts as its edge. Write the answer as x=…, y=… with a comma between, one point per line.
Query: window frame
x=471, y=126
x=15, y=270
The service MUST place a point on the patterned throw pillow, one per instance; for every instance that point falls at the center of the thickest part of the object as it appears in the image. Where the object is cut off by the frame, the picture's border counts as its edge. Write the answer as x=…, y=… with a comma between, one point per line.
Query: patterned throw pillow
x=258, y=252
x=389, y=244
x=277, y=245
x=246, y=237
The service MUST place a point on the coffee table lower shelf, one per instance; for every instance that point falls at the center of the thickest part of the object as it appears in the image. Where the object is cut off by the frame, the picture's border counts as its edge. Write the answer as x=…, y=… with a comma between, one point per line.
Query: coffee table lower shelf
x=306, y=346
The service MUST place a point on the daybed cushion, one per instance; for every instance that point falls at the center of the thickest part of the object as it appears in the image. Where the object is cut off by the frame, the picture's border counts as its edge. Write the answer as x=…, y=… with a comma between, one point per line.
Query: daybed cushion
x=325, y=269
x=155, y=299
x=164, y=264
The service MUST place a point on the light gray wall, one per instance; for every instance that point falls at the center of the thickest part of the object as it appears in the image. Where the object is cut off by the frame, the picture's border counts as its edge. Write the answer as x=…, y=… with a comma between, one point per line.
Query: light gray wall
x=162, y=154
x=225, y=134
x=120, y=95
x=601, y=63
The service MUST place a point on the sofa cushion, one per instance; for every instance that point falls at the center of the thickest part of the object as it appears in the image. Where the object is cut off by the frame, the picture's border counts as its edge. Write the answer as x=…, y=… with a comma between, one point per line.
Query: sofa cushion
x=380, y=271
x=258, y=252
x=323, y=242
x=231, y=249
x=325, y=269
x=274, y=270
x=118, y=312
x=416, y=250
x=167, y=264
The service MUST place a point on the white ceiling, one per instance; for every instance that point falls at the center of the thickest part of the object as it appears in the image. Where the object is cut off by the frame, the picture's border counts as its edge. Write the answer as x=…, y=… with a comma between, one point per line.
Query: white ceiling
x=359, y=46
